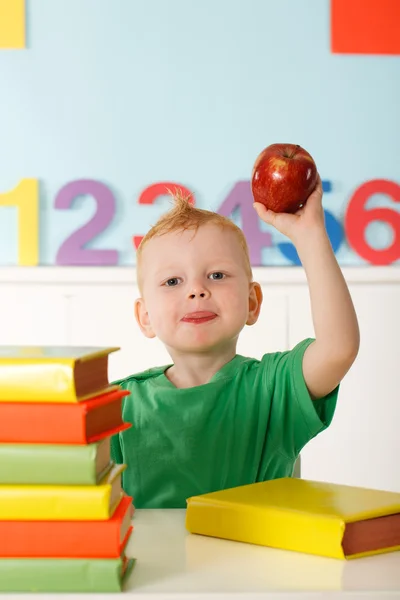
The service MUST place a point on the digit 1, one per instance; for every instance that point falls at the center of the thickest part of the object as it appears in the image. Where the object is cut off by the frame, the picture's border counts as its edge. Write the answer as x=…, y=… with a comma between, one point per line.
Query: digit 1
x=241, y=197
x=25, y=197
x=154, y=191
x=333, y=228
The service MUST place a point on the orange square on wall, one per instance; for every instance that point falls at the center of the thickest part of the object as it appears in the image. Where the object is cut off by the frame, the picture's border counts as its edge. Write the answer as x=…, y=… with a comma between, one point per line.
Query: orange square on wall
x=365, y=26
x=12, y=24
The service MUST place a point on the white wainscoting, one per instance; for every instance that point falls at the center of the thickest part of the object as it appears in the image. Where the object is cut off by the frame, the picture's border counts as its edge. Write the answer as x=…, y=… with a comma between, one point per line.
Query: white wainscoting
x=94, y=306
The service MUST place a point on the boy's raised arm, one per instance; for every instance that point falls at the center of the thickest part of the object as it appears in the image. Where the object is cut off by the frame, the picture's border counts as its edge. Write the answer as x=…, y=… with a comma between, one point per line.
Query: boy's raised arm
x=337, y=338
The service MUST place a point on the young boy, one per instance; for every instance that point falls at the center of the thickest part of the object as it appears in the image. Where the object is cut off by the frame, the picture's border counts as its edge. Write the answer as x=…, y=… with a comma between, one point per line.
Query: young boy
x=213, y=419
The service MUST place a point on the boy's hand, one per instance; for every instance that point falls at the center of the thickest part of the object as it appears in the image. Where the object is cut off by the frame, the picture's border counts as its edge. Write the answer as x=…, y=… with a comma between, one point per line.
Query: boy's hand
x=295, y=226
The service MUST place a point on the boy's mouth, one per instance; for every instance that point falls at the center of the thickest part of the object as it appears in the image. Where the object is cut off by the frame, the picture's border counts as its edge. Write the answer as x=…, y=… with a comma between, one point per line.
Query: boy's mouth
x=199, y=317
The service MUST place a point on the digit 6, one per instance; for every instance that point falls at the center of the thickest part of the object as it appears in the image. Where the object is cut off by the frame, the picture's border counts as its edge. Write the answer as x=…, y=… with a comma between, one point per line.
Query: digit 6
x=358, y=218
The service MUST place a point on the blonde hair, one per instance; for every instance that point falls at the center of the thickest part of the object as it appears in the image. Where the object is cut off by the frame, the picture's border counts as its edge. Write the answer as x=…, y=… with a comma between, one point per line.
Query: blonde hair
x=185, y=216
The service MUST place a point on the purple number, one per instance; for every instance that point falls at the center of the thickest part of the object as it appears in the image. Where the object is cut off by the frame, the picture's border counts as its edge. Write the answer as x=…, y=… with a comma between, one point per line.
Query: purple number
x=72, y=251
x=241, y=197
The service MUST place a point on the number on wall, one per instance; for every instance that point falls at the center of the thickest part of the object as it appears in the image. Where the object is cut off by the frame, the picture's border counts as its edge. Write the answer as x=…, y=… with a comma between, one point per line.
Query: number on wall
x=25, y=197
x=151, y=193
x=241, y=198
x=358, y=218
x=73, y=251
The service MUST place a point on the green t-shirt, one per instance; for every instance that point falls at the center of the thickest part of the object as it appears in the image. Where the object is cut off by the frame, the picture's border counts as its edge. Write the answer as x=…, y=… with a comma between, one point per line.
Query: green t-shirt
x=248, y=424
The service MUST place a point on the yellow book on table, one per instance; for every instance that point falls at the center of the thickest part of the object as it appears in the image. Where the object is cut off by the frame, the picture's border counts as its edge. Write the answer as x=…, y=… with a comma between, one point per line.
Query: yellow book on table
x=63, y=502
x=325, y=519
x=53, y=373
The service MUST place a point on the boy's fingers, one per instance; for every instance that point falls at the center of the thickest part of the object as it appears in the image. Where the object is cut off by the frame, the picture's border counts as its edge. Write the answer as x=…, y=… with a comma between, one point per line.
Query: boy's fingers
x=259, y=208
x=317, y=191
x=266, y=215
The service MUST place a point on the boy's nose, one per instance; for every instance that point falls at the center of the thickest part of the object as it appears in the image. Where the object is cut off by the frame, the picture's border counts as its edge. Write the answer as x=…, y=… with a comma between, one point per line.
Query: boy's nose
x=199, y=292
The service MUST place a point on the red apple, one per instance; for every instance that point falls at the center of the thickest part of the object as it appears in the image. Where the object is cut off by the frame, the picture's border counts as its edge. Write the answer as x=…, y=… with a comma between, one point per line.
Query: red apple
x=283, y=177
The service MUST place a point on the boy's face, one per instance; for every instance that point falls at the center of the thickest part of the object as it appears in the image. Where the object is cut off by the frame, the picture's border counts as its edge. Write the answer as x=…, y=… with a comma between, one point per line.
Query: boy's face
x=197, y=296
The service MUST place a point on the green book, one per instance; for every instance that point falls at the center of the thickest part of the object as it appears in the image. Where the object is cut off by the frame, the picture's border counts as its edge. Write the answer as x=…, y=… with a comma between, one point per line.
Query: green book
x=64, y=575
x=54, y=464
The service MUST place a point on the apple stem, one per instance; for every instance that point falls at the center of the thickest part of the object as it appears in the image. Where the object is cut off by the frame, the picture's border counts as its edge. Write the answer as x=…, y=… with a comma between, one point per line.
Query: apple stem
x=294, y=151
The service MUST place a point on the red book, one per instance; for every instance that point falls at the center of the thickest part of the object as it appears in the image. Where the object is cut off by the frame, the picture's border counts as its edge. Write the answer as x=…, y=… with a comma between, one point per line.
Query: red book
x=68, y=539
x=55, y=423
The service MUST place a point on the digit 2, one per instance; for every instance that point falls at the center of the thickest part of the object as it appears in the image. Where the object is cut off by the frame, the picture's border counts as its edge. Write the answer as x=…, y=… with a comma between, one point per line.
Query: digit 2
x=73, y=251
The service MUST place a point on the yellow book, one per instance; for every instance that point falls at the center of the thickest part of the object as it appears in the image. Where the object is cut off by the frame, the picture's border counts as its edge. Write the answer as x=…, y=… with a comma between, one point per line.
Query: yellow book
x=53, y=373
x=325, y=519
x=62, y=502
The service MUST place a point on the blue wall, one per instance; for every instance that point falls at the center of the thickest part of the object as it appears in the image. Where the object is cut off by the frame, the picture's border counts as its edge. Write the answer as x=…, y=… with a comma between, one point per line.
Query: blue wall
x=130, y=93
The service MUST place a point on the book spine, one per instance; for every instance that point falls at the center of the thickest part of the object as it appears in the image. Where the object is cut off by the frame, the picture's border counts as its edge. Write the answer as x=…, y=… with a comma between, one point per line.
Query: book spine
x=47, y=464
x=48, y=503
x=68, y=539
x=42, y=423
x=37, y=382
x=59, y=539
x=62, y=575
x=269, y=526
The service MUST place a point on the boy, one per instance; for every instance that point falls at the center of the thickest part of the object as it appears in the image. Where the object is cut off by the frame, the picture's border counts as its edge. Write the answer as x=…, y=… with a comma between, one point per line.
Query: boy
x=213, y=419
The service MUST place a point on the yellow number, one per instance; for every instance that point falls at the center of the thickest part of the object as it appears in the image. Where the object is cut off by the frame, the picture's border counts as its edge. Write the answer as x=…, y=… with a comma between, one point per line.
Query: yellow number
x=25, y=197
x=12, y=24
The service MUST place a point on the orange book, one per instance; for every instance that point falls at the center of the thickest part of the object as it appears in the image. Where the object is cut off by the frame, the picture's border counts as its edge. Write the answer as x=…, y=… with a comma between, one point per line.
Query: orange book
x=68, y=539
x=52, y=423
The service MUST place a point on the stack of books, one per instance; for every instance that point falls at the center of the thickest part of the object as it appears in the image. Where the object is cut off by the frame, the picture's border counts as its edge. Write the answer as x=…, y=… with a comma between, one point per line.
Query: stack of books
x=64, y=519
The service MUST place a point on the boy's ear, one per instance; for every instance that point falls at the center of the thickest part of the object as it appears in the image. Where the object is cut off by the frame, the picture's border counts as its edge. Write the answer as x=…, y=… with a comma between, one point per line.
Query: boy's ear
x=143, y=319
x=255, y=301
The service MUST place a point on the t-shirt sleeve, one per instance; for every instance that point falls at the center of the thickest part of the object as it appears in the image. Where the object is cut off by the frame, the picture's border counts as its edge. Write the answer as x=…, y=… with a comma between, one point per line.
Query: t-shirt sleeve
x=295, y=418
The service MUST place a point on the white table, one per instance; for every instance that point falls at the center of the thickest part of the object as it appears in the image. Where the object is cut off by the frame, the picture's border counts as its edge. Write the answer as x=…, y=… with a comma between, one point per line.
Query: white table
x=173, y=564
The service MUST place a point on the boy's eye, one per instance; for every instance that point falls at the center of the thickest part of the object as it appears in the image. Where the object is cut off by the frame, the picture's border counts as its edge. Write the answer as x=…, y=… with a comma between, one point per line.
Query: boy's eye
x=172, y=282
x=217, y=275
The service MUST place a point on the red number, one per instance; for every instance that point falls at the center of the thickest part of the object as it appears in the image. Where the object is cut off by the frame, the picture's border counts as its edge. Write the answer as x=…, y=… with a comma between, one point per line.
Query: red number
x=358, y=218
x=151, y=193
